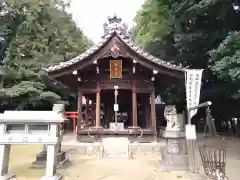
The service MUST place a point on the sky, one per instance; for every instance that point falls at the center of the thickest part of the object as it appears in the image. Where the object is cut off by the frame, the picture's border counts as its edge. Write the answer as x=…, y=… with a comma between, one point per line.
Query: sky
x=91, y=14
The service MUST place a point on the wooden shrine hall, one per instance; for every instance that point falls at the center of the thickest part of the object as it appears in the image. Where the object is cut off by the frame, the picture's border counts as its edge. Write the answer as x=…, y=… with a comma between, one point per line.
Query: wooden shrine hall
x=120, y=80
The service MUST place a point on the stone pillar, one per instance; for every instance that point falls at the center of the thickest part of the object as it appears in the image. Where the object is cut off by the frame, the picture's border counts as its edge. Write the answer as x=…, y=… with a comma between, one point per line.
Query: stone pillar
x=4, y=158
x=60, y=108
x=98, y=108
x=79, y=121
x=153, y=112
x=134, y=107
x=51, y=164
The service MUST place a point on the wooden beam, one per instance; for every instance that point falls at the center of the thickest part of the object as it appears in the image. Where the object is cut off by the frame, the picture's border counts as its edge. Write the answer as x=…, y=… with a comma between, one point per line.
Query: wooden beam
x=88, y=90
x=122, y=84
x=138, y=90
x=106, y=77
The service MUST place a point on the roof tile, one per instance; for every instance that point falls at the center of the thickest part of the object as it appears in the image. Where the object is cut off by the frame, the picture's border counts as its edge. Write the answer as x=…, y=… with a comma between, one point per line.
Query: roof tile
x=105, y=38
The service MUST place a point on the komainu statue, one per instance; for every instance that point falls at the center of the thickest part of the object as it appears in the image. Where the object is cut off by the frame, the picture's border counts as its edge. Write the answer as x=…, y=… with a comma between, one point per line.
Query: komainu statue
x=170, y=114
x=60, y=108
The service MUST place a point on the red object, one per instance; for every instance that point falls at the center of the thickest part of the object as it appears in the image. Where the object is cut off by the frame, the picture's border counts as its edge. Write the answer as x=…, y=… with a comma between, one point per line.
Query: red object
x=72, y=116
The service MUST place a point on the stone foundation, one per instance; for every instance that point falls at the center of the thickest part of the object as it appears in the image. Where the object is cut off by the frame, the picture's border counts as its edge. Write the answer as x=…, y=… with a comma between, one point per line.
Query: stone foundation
x=41, y=158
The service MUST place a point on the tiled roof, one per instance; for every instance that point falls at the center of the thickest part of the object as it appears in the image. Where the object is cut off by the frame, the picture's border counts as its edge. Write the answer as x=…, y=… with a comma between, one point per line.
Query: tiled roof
x=122, y=35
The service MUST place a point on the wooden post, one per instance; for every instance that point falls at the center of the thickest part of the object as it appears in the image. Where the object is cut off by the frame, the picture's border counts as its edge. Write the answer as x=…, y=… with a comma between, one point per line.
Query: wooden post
x=98, y=106
x=153, y=111
x=86, y=112
x=79, y=121
x=134, y=107
x=146, y=108
x=74, y=125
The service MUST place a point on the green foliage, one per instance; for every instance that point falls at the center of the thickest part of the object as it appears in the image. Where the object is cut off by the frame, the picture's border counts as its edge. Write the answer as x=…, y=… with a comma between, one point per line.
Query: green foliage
x=225, y=63
x=154, y=24
x=225, y=58
x=36, y=33
x=197, y=34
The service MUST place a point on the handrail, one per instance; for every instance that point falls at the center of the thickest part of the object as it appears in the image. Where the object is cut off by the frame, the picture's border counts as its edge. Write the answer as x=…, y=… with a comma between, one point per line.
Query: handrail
x=134, y=128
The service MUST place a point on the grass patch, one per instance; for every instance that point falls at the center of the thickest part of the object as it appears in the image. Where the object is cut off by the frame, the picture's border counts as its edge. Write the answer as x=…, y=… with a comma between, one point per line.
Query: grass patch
x=21, y=157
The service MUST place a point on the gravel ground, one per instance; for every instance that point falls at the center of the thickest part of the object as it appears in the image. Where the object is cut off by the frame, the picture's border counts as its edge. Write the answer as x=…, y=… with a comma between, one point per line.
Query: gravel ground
x=143, y=167
x=88, y=168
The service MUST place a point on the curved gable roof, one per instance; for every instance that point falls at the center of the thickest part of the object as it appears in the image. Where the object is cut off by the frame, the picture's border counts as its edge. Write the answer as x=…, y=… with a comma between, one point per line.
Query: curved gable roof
x=126, y=40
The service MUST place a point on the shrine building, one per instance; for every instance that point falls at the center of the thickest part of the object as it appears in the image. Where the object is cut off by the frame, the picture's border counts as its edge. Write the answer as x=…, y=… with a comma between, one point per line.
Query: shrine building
x=121, y=80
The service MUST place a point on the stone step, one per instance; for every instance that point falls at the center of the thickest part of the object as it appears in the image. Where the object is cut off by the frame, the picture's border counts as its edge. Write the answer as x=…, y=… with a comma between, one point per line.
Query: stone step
x=115, y=147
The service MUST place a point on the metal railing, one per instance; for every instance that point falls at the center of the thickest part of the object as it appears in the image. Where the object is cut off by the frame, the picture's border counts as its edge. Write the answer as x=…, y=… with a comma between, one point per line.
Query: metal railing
x=214, y=161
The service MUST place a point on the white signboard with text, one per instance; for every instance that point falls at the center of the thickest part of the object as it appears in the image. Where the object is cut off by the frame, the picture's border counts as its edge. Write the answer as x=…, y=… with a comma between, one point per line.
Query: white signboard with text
x=191, y=132
x=193, y=79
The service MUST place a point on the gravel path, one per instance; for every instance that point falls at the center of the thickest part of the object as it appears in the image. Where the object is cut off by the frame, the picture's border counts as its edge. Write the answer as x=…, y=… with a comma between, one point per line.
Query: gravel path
x=88, y=168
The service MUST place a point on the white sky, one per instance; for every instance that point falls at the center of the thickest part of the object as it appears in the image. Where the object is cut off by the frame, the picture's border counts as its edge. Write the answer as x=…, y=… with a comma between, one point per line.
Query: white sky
x=91, y=14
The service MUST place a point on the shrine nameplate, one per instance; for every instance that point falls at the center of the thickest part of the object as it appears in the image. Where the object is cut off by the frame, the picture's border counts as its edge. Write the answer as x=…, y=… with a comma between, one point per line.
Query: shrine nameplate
x=115, y=68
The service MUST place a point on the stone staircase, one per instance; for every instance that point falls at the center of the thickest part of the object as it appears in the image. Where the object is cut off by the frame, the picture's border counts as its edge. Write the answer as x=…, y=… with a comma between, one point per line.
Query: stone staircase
x=115, y=147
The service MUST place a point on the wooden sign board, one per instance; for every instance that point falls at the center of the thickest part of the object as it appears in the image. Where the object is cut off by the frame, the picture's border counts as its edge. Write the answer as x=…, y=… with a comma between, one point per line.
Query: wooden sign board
x=115, y=68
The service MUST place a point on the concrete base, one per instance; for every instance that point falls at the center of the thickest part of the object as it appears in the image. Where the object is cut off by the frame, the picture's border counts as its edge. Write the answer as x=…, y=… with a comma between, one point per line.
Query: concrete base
x=115, y=147
x=8, y=176
x=56, y=177
x=172, y=134
x=174, y=156
x=41, y=158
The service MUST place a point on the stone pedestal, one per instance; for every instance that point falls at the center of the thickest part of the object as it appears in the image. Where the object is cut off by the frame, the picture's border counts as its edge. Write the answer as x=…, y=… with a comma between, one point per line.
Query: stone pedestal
x=174, y=156
x=41, y=158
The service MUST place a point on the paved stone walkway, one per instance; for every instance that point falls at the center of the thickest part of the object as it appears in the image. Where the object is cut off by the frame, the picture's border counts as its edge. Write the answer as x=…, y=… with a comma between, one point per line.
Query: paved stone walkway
x=88, y=168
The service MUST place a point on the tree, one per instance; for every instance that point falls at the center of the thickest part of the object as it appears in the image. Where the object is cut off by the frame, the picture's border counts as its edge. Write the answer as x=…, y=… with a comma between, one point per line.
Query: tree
x=197, y=34
x=37, y=33
x=154, y=27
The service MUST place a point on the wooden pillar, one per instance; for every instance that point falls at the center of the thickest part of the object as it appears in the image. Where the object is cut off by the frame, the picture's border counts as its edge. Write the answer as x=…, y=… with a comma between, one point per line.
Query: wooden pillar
x=146, y=109
x=153, y=111
x=98, y=106
x=134, y=107
x=79, y=120
x=86, y=113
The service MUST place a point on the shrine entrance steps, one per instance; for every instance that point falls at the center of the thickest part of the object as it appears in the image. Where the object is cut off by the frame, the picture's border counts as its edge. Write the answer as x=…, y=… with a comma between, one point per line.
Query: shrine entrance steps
x=113, y=147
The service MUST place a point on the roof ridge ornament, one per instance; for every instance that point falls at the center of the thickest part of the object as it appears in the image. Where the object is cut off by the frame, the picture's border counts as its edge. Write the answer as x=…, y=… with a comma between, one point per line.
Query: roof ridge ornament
x=115, y=24
x=114, y=19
